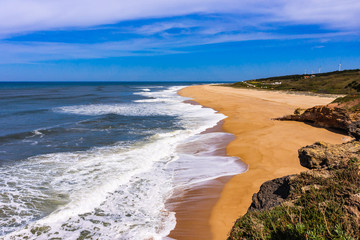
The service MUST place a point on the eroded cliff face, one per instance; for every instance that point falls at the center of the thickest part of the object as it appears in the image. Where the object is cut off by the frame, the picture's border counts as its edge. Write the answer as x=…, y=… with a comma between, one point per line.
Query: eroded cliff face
x=325, y=155
x=320, y=157
x=329, y=116
x=323, y=116
x=354, y=129
x=321, y=203
x=272, y=193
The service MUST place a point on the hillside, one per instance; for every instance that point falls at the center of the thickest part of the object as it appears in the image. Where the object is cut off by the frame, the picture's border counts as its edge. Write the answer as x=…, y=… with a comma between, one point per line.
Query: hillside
x=321, y=203
x=338, y=82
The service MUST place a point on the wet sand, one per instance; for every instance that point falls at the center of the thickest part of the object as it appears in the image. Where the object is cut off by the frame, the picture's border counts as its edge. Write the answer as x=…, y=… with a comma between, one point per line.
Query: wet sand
x=193, y=210
x=269, y=148
x=193, y=205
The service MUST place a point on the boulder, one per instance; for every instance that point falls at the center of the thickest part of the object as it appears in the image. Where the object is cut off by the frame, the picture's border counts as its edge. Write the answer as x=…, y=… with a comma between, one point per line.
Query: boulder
x=271, y=194
x=354, y=129
x=325, y=155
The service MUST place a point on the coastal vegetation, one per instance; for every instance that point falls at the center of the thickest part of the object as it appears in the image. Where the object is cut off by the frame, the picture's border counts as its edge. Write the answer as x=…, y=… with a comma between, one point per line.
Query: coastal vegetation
x=322, y=203
x=338, y=82
x=349, y=102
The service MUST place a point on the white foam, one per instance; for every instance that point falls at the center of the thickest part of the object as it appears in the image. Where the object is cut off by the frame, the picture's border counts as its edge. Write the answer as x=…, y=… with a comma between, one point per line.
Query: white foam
x=201, y=159
x=37, y=132
x=119, y=109
x=91, y=182
x=149, y=100
x=116, y=192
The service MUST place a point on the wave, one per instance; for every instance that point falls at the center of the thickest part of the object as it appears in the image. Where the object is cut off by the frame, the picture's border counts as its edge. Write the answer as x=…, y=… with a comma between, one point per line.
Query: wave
x=203, y=157
x=119, y=109
x=114, y=192
x=95, y=183
x=16, y=136
x=167, y=104
x=38, y=133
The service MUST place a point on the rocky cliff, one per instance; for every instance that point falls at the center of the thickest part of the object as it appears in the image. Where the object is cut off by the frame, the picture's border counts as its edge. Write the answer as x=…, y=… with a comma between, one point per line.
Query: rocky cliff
x=321, y=203
x=343, y=114
x=329, y=116
x=325, y=155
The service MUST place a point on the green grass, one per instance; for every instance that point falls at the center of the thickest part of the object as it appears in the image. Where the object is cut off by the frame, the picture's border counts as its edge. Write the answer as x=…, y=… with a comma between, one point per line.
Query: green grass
x=347, y=98
x=319, y=213
x=350, y=102
x=339, y=82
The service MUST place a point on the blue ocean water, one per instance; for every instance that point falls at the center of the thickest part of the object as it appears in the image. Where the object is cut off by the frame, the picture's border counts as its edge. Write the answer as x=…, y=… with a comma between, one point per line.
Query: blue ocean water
x=30, y=121
x=99, y=160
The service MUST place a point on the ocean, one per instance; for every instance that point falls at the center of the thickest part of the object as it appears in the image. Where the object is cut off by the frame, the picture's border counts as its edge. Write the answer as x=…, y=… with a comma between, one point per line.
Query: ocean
x=100, y=160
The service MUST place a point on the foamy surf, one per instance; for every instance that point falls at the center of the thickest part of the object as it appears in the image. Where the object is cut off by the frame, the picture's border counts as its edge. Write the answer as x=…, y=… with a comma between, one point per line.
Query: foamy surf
x=118, y=191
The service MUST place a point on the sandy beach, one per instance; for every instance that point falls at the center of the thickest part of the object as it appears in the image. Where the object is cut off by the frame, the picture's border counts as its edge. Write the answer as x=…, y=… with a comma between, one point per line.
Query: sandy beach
x=269, y=148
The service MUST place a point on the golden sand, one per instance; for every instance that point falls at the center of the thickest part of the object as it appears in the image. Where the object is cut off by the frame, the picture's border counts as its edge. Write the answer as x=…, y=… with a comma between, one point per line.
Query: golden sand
x=269, y=148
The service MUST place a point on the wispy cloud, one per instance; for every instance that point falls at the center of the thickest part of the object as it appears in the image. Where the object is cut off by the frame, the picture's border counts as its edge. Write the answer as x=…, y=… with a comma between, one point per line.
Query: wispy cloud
x=168, y=25
x=18, y=16
x=33, y=15
x=27, y=52
x=333, y=14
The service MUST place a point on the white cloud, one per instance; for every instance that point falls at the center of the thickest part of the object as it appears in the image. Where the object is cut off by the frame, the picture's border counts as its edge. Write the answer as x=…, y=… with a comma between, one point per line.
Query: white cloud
x=32, y=15
x=18, y=16
x=29, y=52
x=219, y=21
x=344, y=14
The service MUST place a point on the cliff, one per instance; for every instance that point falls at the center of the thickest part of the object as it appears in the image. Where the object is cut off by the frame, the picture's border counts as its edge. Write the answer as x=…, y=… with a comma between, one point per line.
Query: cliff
x=343, y=114
x=324, y=155
x=321, y=203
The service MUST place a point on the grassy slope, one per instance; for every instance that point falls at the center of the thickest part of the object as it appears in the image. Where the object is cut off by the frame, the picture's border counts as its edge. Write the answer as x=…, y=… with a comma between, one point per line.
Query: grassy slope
x=319, y=213
x=343, y=82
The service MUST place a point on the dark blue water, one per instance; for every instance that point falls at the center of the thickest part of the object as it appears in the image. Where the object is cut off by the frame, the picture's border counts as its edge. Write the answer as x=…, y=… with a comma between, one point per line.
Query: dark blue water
x=30, y=124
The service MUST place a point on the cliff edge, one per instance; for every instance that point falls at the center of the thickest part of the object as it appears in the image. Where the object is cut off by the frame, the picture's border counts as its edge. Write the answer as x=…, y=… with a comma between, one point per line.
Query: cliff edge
x=342, y=114
x=321, y=203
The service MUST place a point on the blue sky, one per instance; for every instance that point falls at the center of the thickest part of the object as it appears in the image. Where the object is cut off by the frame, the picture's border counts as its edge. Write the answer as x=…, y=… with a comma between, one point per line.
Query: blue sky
x=182, y=40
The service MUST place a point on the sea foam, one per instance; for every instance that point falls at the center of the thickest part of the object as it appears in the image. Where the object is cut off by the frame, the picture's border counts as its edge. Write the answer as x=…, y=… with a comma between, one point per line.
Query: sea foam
x=119, y=191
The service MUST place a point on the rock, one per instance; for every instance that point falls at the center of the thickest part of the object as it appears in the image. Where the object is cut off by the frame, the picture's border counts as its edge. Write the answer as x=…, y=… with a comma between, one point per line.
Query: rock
x=322, y=155
x=319, y=173
x=306, y=188
x=329, y=116
x=352, y=206
x=299, y=111
x=272, y=193
x=323, y=116
x=354, y=129
x=329, y=191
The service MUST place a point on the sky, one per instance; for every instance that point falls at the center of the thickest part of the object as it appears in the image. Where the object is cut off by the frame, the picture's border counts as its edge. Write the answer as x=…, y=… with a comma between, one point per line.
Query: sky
x=175, y=40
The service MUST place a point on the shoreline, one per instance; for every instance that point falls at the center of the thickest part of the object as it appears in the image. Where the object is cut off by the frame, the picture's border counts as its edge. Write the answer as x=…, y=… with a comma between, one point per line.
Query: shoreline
x=193, y=206
x=268, y=147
